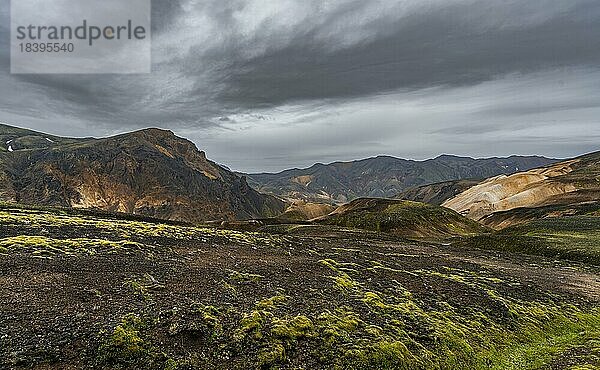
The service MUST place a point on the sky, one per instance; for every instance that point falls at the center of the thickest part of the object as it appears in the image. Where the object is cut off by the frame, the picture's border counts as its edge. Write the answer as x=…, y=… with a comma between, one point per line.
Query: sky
x=264, y=85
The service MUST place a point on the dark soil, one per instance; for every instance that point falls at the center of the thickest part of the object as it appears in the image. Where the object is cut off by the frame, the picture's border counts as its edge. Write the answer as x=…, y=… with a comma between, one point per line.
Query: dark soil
x=193, y=297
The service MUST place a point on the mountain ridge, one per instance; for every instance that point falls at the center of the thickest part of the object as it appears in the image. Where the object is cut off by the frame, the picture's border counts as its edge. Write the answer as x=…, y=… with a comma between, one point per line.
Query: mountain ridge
x=150, y=172
x=383, y=176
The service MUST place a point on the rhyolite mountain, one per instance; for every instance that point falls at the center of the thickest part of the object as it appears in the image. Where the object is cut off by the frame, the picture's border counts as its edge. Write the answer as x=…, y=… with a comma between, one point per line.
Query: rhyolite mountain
x=384, y=176
x=567, y=188
x=150, y=172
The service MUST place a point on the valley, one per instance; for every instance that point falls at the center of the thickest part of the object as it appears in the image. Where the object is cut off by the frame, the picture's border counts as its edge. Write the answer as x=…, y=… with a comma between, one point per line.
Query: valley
x=300, y=185
x=137, y=252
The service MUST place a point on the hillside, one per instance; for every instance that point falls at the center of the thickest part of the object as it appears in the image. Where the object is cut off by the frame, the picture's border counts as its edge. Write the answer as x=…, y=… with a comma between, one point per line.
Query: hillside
x=437, y=193
x=85, y=291
x=304, y=211
x=404, y=218
x=149, y=172
x=575, y=238
x=519, y=216
x=569, y=183
x=383, y=177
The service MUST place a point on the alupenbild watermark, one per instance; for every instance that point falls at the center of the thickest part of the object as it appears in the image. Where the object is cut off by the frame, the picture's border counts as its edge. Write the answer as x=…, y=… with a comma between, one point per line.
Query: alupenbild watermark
x=80, y=36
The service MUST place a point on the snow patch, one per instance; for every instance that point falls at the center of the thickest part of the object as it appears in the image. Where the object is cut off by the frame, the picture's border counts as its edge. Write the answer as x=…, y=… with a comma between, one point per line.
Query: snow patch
x=10, y=149
x=51, y=141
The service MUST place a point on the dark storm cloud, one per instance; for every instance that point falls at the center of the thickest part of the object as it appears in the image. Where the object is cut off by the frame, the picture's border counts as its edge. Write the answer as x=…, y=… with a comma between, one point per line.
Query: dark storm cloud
x=428, y=49
x=259, y=83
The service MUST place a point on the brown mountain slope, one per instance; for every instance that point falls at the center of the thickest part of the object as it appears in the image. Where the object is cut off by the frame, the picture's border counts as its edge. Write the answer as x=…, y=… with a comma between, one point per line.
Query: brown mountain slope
x=437, y=193
x=300, y=210
x=519, y=216
x=150, y=172
x=566, y=183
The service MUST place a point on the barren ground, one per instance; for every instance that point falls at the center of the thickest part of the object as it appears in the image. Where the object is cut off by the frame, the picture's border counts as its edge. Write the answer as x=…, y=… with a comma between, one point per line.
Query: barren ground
x=85, y=291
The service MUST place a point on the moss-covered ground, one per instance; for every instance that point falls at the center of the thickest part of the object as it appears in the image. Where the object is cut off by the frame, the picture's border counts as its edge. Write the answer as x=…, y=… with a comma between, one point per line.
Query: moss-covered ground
x=574, y=238
x=87, y=291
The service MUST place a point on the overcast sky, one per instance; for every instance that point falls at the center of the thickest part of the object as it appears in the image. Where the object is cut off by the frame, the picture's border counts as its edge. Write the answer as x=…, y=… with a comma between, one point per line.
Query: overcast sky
x=264, y=85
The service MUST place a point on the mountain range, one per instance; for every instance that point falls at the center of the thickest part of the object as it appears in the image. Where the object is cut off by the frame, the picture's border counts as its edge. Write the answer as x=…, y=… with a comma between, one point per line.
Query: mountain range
x=383, y=176
x=154, y=173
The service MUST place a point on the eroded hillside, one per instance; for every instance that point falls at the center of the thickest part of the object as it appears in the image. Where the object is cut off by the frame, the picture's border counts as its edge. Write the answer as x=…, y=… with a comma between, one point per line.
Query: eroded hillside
x=150, y=172
x=572, y=182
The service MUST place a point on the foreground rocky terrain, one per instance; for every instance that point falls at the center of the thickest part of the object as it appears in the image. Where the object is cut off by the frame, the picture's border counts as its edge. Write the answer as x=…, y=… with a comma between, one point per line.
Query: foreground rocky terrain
x=90, y=290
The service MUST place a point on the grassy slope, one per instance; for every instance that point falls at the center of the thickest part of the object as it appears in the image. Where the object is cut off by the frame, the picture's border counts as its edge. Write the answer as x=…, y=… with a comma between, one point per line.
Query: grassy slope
x=574, y=238
x=401, y=217
x=19, y=138
x=176, y=297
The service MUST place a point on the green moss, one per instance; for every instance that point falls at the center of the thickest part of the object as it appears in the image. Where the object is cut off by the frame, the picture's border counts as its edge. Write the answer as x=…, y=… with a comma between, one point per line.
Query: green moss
x=39, y=217
x=251, y=325
x=241, y=277
x=271, y=355
x=382, y=355
x=344, y=282
x=138, y=288
x=44, y=246
x=293, y=329
x=272, y=302
x=144, y=287
x=211, y=316
x=171, y=364
x=337, y=325
x=229, y=287
x=126, y=348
